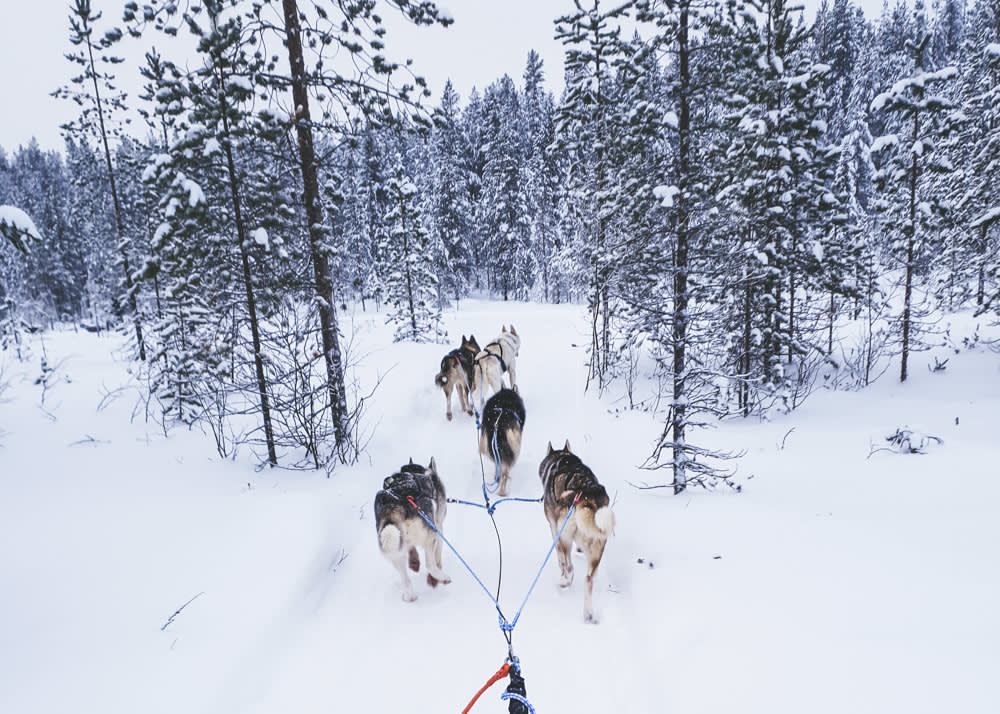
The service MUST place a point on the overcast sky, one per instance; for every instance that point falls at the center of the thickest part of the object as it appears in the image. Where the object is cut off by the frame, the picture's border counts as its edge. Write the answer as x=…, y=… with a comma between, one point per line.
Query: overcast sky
x=489, y=38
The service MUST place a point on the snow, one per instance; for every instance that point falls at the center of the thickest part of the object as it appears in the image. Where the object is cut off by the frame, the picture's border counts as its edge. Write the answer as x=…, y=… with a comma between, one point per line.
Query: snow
x=240, y=82
x=884, y=142
x=671, y=119
x=666, y=195
x=991, y=215
x=20, y=223
x=847, y=582
x=195, y=194
x=212, y=146
x=260, y=237
x=161, y=232
x=993, y=49
x=156, y=162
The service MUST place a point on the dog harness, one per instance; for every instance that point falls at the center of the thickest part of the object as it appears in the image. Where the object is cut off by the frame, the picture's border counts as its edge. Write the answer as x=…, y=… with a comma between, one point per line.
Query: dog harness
x=499, y=356
x=464, y=360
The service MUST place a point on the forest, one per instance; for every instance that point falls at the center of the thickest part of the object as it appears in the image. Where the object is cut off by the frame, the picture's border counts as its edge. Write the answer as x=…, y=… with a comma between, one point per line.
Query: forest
x=727, y=187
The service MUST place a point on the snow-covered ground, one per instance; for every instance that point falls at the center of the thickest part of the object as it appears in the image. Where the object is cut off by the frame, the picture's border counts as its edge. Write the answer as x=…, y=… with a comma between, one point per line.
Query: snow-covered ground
x=833, y=583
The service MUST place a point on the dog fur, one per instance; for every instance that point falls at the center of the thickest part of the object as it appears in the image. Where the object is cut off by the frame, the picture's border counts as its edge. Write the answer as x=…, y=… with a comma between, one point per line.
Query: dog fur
x=503, y=418
x=401, y=530
x=495, y=359
x=564, y=479
x=457, y=371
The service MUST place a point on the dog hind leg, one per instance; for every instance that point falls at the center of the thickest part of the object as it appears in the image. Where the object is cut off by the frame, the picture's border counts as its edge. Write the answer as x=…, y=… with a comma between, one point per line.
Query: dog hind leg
x=565, y=564
x=447, y=399
x=435, y=573
x=594, y=553
x=400, y=560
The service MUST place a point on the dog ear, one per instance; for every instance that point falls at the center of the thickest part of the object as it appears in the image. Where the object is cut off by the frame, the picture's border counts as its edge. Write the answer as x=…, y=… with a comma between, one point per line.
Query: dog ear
x=513, y=331
x=411, y=462
x=550, y=449
x=463, y=339
x=432, y=467
x=566, y=448
x=503, y=328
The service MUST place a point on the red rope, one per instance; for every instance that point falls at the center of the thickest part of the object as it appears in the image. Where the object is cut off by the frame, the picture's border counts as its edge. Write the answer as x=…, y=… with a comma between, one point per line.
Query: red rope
x=500, y=674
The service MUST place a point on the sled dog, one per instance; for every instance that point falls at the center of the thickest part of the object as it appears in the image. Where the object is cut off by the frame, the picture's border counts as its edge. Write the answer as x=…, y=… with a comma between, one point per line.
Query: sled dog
x=401, y=529
x=457, y=373
x=565, y=480
x=496, y=358
x=500, y=435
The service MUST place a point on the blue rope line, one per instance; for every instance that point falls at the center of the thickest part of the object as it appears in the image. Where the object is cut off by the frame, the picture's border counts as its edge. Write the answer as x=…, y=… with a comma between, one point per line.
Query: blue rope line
x=548, y=555
x=462, y=561
x=495, y=448
x=491, y=508
x=518, y=697
x=466, y=503
x=496, y=503
x=504, y=625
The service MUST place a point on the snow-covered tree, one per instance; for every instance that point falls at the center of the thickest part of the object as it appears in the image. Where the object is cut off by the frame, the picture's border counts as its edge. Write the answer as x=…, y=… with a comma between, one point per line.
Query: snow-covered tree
x=410, y=257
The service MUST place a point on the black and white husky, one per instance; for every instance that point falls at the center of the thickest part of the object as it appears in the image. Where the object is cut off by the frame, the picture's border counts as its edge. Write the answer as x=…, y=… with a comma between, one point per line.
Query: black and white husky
x=401, y=530
x=500, y=435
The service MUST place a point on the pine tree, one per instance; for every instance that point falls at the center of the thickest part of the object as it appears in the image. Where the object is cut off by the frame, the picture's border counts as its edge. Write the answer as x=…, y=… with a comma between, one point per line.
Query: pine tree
x=505, y=214
x=82, y=35
x=587, y=115
x=412, y=284
x=909, y=210
x=449, y=214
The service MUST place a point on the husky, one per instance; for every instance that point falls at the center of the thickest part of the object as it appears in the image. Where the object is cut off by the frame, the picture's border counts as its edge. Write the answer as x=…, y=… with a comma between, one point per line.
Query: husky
x=500, y=436
x=567, y=480
x=401, y=529
x=497, y=358
x=457, y=373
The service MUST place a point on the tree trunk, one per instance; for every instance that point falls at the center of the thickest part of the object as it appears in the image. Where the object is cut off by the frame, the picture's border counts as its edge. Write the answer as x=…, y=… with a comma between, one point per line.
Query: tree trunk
x=133, y=303
x=680, y=317
x=911, y=235
x=241, y=237
x=318, y=251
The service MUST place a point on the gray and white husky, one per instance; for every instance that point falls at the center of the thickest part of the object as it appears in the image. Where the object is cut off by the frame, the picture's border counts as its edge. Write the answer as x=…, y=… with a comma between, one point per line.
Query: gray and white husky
x=401, y=530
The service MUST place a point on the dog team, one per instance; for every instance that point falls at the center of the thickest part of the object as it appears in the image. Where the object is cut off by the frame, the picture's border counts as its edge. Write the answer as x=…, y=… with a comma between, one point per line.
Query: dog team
x=476, y=373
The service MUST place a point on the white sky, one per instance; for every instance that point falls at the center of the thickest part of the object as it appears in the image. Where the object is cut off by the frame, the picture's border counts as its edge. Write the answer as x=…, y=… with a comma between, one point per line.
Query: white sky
x=489, y=38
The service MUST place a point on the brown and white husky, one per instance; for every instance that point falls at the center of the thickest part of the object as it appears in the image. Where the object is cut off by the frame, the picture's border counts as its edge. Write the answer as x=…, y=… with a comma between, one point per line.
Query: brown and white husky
x=567, y=480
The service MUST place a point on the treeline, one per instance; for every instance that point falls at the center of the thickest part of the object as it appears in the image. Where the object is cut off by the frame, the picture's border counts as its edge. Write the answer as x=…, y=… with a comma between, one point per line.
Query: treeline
x=722, y=184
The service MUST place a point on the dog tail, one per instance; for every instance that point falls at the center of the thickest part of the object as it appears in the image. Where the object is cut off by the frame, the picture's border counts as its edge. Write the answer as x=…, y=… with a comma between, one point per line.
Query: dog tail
x=390, y=538
x=604, y=519
x=442, y=377
x=513, y=443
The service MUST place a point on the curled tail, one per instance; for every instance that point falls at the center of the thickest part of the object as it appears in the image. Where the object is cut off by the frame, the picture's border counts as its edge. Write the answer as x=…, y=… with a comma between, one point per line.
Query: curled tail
x=390, y=538
x=604, y=520
x=442, y=377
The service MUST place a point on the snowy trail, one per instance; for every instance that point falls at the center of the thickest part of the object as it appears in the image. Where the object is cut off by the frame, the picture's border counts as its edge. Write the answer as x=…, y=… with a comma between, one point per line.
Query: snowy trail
x=834, y=582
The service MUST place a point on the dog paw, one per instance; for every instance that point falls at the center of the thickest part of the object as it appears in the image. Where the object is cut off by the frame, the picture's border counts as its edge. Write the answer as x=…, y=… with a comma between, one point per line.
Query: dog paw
x=448, y=415
x=590, y=618
x=565, y=581
x=409, y=596
x=469, y=412
x=445, y=580
x=432, y=581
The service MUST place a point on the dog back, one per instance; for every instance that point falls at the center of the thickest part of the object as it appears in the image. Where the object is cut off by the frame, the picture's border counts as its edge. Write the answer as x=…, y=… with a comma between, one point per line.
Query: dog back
x=413, y=480
x=564, y=476
x=503, y=420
